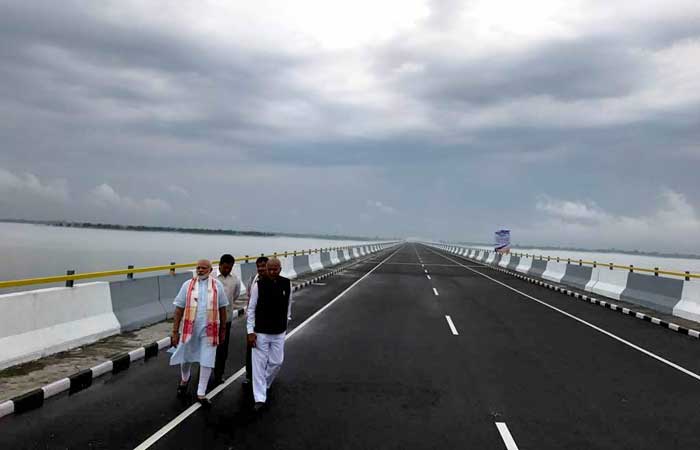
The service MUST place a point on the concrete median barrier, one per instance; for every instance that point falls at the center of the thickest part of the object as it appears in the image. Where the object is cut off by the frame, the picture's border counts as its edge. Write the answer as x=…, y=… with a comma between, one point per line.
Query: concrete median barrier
x=659, y=293
x=689, y=306
x=577, y=276
x=610, y=283
x=301, y=264
x=524, y=265
x=46, y=321
x=136, y=302
x=168, y=287
x=555, y=271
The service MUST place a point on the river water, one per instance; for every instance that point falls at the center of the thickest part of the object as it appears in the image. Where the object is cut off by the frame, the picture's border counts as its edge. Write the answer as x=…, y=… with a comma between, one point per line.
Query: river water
x=29, y=251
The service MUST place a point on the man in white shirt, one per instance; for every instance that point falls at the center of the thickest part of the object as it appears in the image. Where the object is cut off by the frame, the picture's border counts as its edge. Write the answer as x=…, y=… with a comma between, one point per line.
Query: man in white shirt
x=232, y=287
x=269, y=312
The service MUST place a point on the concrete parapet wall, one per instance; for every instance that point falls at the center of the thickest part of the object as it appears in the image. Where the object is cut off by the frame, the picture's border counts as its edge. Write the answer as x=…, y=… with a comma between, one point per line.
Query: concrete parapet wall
x=40, y=322
x=326, y=260
x=610, y=283
x=674, y=296
x=524, y=265
x=301, y=264
x=45, y=321
x=136, y=302
x=168, y=287
x=577, y=276
x=505, y=260
x=659, y=293
x=555, y=271
x=689, y=306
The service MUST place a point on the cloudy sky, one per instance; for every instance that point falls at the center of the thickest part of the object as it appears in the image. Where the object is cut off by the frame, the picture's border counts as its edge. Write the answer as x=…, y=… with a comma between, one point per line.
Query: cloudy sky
x=571, y=123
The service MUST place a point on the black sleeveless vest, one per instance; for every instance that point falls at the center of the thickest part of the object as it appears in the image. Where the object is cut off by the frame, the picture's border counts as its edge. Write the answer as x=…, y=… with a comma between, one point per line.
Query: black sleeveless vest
x=272, y=307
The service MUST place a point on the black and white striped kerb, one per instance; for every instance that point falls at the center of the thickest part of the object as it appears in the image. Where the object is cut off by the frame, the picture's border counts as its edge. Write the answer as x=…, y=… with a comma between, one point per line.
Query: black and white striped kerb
x=82, y=380
x=605, y=304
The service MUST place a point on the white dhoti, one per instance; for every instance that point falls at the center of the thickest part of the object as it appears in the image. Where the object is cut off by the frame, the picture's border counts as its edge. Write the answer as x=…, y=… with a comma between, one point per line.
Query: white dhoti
x=267, y=356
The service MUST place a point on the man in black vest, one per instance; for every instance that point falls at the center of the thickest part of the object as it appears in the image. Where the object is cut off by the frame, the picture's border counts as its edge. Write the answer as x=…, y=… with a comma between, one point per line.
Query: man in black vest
x=269, y=310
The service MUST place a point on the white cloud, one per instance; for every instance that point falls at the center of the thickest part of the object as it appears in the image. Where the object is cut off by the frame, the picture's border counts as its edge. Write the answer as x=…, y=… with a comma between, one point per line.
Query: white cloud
x=105, y=196
x=27, y=186
x=669, y=226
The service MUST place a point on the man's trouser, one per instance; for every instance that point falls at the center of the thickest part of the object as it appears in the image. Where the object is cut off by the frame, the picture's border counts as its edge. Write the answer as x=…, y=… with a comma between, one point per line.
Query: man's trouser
x=268, y=355
x=221, y=355
x=248, y=361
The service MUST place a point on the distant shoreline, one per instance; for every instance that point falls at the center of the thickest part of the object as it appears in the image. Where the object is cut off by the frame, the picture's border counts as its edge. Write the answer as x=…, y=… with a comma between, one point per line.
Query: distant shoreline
x=110, y=226
x=596, y=250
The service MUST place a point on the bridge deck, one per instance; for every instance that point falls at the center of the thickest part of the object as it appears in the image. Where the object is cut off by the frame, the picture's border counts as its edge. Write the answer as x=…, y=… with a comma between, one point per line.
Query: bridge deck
x=383, y=367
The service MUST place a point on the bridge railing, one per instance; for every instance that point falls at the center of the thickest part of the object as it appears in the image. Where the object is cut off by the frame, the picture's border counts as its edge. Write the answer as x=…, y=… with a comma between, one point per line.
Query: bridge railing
x=687, y=275
x=70, y=276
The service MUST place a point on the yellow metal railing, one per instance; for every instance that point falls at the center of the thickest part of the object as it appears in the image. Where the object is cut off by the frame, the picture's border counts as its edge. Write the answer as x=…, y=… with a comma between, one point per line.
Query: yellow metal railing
x=170, y=267
x=656, y=271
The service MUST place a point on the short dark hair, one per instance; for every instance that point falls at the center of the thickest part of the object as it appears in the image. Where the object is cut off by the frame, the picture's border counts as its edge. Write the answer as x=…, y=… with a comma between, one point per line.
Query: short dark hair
x=261, y=259
x=227, y=259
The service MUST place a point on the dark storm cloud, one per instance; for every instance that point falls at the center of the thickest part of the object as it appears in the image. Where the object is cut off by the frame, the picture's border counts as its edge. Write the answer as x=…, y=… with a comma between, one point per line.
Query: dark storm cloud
x=106, y=116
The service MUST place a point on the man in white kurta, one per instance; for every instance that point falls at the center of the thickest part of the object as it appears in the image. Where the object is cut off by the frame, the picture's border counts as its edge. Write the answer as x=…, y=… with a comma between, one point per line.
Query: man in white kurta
x=199, y=347
x=269, y=311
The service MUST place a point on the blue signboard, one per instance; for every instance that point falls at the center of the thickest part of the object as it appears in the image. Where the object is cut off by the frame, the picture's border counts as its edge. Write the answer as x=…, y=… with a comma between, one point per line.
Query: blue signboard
x=502, y=239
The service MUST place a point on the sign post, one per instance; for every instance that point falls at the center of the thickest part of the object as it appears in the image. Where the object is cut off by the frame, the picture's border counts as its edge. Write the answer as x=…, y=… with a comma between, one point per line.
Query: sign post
x=502, y=239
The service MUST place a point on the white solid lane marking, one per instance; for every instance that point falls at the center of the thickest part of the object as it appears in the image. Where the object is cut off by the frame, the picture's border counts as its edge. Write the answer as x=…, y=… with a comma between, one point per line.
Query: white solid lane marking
x=436, y=292
x=189, y=411
x=428, y=276
x=505, y=435
x=588, y=324
x=452, y=325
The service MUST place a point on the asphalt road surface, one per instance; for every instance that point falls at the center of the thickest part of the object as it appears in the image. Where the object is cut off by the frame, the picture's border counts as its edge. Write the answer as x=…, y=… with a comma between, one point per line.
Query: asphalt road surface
x=412, y=349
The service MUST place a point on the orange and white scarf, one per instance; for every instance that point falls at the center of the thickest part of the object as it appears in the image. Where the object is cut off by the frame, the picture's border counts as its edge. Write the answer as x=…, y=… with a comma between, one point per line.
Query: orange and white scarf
x=194, y=297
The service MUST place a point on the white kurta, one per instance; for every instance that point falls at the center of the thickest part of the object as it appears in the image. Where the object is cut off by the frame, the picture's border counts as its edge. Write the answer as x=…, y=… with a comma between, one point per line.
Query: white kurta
x=198, y=348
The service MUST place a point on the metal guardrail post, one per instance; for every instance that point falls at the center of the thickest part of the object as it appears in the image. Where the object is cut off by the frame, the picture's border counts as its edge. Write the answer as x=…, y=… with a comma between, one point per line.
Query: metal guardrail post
x=130, y=275
x=69, y=283
x=631, y=268
x=611, y=266
x=595, y=264
x=656, y=271
x=687, y=275
x=172, y=271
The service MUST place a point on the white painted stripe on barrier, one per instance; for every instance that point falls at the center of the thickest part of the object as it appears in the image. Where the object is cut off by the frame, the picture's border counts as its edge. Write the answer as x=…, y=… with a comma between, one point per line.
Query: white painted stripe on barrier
x=164, y=343
x=137, y=354
x=102, y=369
x=56, y=387
x=7, y=408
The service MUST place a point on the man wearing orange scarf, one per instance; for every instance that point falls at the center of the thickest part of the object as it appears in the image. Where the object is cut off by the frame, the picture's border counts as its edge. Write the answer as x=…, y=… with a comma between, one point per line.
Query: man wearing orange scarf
x=199, y=326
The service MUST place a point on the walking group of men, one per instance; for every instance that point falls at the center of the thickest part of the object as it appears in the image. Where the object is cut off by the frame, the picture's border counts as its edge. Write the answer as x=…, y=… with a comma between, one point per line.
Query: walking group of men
x=202, y=325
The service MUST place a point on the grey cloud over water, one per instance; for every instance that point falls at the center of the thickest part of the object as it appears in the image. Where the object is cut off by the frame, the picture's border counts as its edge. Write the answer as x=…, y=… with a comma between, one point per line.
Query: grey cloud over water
x=457, y=121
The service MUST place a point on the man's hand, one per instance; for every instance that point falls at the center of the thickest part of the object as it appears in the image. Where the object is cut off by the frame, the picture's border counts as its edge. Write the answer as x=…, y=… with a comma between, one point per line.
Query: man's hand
x=174, y=339
x=252, y=339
